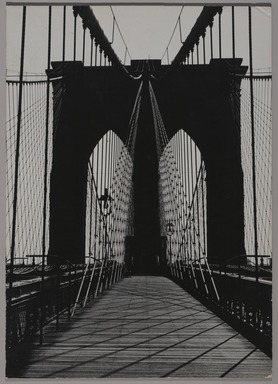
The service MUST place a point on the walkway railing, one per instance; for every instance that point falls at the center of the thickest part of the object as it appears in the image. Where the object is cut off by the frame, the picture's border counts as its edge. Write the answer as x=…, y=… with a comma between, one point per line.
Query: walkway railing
x=242, y=302
x=39, y=296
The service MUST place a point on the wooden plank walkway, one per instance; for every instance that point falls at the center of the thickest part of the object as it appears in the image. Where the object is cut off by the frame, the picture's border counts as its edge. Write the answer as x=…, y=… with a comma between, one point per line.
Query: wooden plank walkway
x=145, y=327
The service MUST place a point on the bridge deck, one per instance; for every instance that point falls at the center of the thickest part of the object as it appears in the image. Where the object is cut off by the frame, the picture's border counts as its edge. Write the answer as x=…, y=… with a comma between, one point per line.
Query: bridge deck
x=145, y=326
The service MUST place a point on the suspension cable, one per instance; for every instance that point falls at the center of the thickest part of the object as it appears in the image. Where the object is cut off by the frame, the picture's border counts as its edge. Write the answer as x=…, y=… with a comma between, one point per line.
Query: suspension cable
x=18, y=141
x=174, y=30
x=117, y=24
x=253, y=142
x=204, y=20
x=91, y=22
x=46, y=132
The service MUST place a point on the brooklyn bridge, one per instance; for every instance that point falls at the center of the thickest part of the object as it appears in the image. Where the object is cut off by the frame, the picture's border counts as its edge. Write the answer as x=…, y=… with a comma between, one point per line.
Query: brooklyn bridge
x=138, y=202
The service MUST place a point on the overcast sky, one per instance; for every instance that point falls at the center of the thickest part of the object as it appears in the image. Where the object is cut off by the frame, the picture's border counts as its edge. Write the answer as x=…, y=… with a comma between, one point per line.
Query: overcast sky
x=145, y=29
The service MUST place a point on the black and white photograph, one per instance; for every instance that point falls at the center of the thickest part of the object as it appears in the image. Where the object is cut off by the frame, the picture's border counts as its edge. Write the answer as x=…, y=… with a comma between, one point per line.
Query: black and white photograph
x=138, y=224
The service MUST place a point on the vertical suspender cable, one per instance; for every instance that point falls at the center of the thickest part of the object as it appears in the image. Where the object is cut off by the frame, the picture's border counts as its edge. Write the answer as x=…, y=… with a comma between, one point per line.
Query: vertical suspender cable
x=253, y=143
x=102, y=175
x=233, y=32
x=203, y=202
x=189, y=200
x=204, y=47
x=95, y=54
x=96, y=204
x=220, y=34
x=110, y=158
x=184, y=182
x=197, y=200
x=17, y=151
x=234, y=81
x=188, y=179
x=100, y=57
x=181, y=194
x=113, y=189
x=192, y=199
x=74, y=34
x=108, y=182
x=109, y=161
x=91, y=183
x=106, y=185
x=46, y=134
x=92, y=49
x=102, y=192
x=106, y=170
x=84, y=41
x=45, y=171
x=183, y=163
x=211, y=41
x=179, y=238
x=64, y=33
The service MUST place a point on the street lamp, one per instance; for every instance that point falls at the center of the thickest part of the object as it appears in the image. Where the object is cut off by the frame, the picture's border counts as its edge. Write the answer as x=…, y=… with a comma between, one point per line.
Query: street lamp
x=105, y=202
x=169, y=232
x=106, y=208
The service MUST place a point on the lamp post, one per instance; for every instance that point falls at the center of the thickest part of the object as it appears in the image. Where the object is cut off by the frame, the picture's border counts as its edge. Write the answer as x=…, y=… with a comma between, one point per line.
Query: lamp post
x=169, y=232
x=106, y=209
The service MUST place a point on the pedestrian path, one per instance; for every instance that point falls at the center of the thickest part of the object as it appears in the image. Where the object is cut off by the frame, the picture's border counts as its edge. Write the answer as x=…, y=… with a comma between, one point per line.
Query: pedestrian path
x=145, y=327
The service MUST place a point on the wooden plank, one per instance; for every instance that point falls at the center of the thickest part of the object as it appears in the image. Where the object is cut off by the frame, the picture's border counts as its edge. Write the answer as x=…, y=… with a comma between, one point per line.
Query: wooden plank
x=145, y=326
